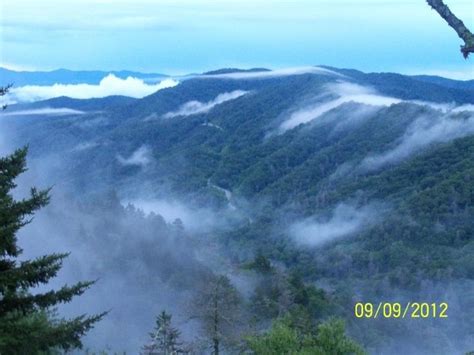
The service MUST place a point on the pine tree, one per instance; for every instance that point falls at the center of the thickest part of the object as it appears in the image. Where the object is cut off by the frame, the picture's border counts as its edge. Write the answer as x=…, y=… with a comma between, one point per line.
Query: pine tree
x=3, y=91
x=28, y=324
x=164, y=338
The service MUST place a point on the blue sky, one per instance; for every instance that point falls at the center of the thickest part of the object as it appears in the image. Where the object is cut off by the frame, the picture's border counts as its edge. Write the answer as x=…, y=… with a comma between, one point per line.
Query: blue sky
x=178, y=37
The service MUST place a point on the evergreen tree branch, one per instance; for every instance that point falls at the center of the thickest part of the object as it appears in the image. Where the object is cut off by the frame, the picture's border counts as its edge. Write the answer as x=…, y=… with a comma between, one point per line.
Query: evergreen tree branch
x=32, y=273
x=3, y=91
x=37, y=333
x=11, y=167
x=27, y=302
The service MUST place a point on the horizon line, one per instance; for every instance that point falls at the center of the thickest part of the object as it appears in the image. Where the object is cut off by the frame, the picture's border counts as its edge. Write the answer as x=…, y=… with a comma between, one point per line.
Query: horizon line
x=458, y=75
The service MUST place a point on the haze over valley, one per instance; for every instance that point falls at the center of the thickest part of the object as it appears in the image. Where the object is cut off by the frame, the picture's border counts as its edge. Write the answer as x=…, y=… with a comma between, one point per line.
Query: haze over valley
x=350, y=186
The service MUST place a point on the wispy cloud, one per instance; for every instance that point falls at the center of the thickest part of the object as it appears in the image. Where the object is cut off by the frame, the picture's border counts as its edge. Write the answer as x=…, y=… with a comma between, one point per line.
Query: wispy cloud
x=274, y=73
x=197, y=107
x=16, y=67
x=463, y=108
x=444, y=107
x=345, y=92
x=421, y=134
x=85, y=146
x=337, y=94
x=110, y=85
x=140, y=157
x=344, y=221
x=46, y=111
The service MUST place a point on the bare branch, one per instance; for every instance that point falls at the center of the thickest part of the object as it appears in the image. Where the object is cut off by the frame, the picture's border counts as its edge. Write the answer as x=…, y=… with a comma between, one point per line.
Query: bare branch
x=462, y=31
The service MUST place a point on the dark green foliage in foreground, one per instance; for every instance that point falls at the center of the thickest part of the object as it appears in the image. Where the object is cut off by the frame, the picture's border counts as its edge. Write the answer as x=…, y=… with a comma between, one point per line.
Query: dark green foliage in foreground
x=285, y=338
x=27, y=325
x=291, y=334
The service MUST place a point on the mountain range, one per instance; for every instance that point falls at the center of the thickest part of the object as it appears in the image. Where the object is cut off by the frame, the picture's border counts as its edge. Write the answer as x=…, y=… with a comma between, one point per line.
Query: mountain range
x=362, y=183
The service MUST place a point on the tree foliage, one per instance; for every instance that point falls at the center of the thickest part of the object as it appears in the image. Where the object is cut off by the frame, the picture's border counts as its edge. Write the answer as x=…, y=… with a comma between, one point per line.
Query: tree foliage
x=216, y=306
x=285, y=338
x=3, y=91
x=164, y=339
x=27, y=323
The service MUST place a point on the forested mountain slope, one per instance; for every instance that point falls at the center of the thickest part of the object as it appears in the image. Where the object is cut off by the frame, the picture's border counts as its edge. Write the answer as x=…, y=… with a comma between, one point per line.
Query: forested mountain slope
x=362, y=184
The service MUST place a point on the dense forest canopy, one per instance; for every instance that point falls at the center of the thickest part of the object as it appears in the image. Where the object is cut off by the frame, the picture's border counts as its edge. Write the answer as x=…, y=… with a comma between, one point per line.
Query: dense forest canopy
x=296, y=196
x=238, y=211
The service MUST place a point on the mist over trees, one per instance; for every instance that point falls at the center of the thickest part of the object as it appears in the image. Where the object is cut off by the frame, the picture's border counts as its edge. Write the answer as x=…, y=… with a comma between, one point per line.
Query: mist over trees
x=274, y=200
x=201, y=215
x=30, y=324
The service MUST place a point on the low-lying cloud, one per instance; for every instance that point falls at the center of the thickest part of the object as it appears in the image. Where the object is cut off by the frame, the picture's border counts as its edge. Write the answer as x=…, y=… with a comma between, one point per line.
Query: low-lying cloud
x=273, y=73
x=345, y=220
x=419, y=135
x=85, y=146
x=140, y=157
x=345, y=92
x=445, y=107
x=46, y=111
x=463, y=108
x=197, y=107
x=108, y=86
x=196, y=220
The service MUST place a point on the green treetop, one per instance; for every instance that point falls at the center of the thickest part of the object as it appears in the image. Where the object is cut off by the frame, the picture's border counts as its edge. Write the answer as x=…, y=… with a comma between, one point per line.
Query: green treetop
x=27, y=321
